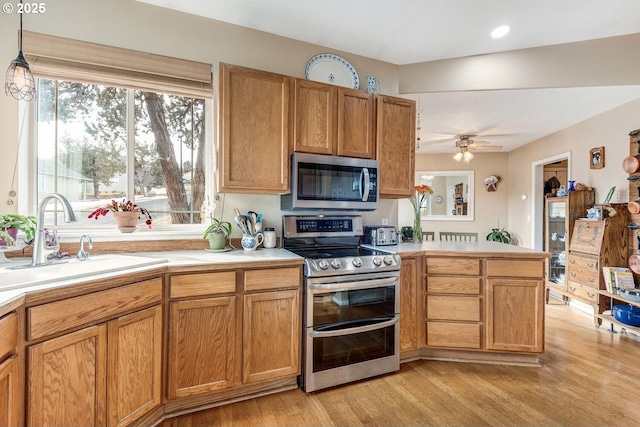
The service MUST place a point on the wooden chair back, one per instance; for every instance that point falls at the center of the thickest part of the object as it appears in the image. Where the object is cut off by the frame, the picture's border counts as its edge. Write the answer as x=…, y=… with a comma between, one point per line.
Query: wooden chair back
x=428, y=236
x=454, y=236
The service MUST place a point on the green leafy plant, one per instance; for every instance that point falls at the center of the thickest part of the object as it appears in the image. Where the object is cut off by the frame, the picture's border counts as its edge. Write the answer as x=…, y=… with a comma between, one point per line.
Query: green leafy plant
x=218, y=226
x=26, y=224
x=499, y=235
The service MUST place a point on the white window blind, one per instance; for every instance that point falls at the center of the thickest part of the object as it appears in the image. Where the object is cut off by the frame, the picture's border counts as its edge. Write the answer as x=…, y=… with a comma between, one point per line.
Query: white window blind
x=61, y=58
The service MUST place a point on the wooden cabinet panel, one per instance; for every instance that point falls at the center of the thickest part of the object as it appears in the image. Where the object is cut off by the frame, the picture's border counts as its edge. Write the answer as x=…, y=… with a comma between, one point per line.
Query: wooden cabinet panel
x=10, y=400
x=587, y=276
x=201, y=284
x=201, y=346
x=453, y=266
x=8, y=334
x=408, y=305
x=254, y=131
x=515, y=315
x=135, y=365
x=67, y=380
x=74, y=312
x=395, y=146
x=453, y=285
x=271, y=336
x=356, y=124
x=276, y=278
x=520, y=268
x=457, y=335
x=453, y=307
x=583, y=261
x=314, y=117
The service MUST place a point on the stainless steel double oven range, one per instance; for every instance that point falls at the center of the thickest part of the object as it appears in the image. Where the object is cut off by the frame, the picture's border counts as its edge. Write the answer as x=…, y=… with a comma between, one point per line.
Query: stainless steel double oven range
x=351, y=301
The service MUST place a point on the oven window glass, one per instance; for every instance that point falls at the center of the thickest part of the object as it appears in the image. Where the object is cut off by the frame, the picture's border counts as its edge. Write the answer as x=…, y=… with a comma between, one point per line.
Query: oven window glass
x=329, y=182
x=343, y=350
x=347, y=307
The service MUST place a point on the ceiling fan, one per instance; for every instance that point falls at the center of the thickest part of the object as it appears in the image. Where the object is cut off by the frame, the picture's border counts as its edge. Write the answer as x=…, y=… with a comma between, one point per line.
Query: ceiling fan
x=464, y=144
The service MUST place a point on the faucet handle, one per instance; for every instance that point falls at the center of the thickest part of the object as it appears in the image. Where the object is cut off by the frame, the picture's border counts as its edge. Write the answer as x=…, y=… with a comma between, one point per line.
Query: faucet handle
x=82, y=254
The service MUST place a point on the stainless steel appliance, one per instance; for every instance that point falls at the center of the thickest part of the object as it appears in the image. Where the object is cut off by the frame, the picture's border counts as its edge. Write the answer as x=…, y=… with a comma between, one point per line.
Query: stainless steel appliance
x=331, y=182
x=351, y=327
x=380, y=235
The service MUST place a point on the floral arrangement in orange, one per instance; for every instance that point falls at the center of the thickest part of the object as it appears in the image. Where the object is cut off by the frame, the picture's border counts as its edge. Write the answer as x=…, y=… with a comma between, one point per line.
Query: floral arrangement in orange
x=421, y=194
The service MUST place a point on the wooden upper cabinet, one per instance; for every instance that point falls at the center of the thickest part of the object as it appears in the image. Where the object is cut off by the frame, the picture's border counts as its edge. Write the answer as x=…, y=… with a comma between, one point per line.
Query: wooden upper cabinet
x=395, y=145
x=333, y=120
x=254, y=131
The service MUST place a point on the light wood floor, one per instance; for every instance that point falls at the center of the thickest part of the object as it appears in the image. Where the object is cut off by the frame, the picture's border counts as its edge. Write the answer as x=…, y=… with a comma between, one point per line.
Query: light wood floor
x=589, y=377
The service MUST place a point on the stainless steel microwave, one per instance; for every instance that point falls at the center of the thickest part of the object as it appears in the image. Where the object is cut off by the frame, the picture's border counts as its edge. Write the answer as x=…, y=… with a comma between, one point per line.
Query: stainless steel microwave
x=331, y=183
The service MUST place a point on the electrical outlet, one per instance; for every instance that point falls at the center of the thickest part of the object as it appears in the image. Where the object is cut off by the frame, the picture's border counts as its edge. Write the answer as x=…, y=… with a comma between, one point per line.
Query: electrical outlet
x=385, y=221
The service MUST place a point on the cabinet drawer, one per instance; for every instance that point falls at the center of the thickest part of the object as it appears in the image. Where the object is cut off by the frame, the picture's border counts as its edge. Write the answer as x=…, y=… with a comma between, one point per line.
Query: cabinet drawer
x=459, y=335
x=8, y=334
x=582, y=261
x=453, y=307
x=200, y=284
x=515, y=268
x=582, y=292
x=457, y=266
x=453, y=285
x=586, y=276
x=73, y=312
x=256, y=280
x=587, y=236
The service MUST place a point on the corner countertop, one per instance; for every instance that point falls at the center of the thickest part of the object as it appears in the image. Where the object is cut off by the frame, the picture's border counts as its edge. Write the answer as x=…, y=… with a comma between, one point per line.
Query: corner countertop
x=479, y=248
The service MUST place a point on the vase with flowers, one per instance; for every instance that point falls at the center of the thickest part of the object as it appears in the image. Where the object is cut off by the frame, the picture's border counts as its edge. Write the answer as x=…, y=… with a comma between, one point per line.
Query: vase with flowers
x=421, y=192
x=126, y=213
x=491, y=182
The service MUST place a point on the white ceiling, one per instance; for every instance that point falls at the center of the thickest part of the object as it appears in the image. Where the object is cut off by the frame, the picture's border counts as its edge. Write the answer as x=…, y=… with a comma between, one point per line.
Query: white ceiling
x=410, y=31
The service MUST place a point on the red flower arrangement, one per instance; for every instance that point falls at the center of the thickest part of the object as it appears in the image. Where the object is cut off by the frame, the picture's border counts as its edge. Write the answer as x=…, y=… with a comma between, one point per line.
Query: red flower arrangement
x=123, y=206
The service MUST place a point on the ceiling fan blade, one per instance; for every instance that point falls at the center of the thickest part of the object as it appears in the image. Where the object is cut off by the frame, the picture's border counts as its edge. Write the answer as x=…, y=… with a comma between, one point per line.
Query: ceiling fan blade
x=486, y=147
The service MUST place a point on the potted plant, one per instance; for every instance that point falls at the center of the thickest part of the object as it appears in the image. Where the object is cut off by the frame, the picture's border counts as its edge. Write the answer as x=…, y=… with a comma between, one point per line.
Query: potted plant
x=126, y=214
x=491, y=182
x=499, y=235
x=217, y=233
x=10, y=224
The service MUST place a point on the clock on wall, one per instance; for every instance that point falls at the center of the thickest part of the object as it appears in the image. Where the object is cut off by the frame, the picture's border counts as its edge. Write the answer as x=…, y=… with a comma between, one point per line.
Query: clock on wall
x=438, y=199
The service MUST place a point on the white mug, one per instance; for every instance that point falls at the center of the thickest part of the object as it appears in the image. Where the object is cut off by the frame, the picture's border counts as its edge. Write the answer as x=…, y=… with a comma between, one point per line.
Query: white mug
x=250, y=242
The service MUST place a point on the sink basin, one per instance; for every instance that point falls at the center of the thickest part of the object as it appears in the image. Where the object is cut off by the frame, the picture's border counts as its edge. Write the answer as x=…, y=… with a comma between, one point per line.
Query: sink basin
x=18, y=276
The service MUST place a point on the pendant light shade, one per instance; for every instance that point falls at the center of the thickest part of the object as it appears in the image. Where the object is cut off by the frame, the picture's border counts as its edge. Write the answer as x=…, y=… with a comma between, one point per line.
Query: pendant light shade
x=19, y=81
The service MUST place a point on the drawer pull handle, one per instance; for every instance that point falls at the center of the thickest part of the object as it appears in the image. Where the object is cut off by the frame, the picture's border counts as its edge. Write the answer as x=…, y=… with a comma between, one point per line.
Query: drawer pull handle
x=573, y=274
x=591, y=279
x=572, y=288
x=590, y=265
x=590, y=295
x=572, y=261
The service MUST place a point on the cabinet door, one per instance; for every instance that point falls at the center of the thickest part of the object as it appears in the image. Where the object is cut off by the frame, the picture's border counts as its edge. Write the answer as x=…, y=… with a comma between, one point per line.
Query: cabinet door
x=271, y=336
x=254, y=131
x=314, y=117
x=135, y=370
x=356, y=124
x=515, y=315
x=557, y=240
x=9, y=394
x=408, y=305
x=201, y=346
x=67, y=380
x=395, y=146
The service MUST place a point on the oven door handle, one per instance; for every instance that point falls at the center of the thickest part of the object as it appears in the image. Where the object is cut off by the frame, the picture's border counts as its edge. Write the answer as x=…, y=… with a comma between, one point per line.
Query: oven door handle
x=356, y=330
x=348, y=286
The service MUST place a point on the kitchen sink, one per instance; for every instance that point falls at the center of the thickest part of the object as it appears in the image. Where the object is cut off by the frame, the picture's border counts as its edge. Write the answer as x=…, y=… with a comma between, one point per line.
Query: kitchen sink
x=23, y=275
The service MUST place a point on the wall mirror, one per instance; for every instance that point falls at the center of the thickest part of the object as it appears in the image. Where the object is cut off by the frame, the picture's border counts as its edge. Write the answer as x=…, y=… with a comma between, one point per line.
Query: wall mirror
x=452, y=198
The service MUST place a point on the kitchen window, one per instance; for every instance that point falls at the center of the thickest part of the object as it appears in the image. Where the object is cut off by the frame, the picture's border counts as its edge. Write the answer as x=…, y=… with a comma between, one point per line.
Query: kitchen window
x=129, y=125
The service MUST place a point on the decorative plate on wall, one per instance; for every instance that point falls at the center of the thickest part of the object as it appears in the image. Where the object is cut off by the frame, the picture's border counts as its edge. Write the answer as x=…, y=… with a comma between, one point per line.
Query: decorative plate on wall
x=333, y=69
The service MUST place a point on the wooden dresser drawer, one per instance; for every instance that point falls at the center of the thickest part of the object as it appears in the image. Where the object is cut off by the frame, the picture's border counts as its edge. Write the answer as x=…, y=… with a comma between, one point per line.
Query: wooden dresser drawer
x=8, y=334
x=87, y=309
x=453, y=285
x=453, y=307
x=586, y=276
x=587, y=236
x=453, y=266
x=583, y=261
x=582, y=292
x=275, y=278
x=458, y=335
x=520, y=268
x=201, y=284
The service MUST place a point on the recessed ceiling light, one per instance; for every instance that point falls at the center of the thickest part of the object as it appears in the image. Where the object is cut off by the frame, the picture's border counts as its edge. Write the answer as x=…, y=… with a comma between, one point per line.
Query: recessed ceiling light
x=500, y=31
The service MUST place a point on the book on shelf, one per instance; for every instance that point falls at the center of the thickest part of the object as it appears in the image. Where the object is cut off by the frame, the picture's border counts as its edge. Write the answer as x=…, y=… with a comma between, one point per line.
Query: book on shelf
x=608, y=277
x=616, y=278
x=624, y=279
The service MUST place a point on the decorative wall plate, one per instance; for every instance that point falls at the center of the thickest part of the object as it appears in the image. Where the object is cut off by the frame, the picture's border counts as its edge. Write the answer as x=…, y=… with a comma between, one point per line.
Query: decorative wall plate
x=333, y=69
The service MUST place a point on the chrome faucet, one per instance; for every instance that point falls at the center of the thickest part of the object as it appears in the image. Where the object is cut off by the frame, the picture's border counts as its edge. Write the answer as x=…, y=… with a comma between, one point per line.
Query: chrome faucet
x=82, y=255
x=44, y=244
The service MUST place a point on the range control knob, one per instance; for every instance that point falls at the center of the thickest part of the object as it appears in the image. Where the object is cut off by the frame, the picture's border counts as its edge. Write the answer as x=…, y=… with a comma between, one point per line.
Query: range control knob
x=335, y=263
x=377, y=261
x=357, y=262
x=323, y=264
x=388, y=260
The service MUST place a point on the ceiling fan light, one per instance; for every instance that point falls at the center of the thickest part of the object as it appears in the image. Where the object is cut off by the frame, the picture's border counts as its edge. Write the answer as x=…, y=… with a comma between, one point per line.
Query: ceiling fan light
x=458, y=156
x=467, y=156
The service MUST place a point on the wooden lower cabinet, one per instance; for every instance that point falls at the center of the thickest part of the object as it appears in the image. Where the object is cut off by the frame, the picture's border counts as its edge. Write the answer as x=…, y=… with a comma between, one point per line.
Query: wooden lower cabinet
x=10, y=404
x=409, y=305
x=201, y=346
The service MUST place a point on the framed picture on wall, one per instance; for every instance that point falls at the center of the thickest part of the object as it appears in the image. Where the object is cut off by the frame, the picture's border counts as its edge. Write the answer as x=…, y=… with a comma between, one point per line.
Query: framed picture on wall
x=596, y=158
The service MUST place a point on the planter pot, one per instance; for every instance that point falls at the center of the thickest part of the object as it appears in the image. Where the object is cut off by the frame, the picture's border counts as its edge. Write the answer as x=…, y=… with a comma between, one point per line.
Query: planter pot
x=13, y=233
x=491, y=187
x=217, y=241
x=127, y=221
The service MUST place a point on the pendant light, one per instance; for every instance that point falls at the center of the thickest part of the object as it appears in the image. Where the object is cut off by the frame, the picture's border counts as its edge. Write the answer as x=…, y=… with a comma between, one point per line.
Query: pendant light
x=19, y=81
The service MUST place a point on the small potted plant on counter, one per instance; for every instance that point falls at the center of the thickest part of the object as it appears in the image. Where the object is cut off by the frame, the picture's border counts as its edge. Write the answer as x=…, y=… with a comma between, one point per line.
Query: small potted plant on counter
x=11, y=224
x=126, y=214
x=217, y=233
x=499, y=235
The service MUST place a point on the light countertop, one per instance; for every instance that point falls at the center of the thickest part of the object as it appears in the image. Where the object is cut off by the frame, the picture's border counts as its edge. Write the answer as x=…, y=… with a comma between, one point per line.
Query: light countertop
x=479, y=248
